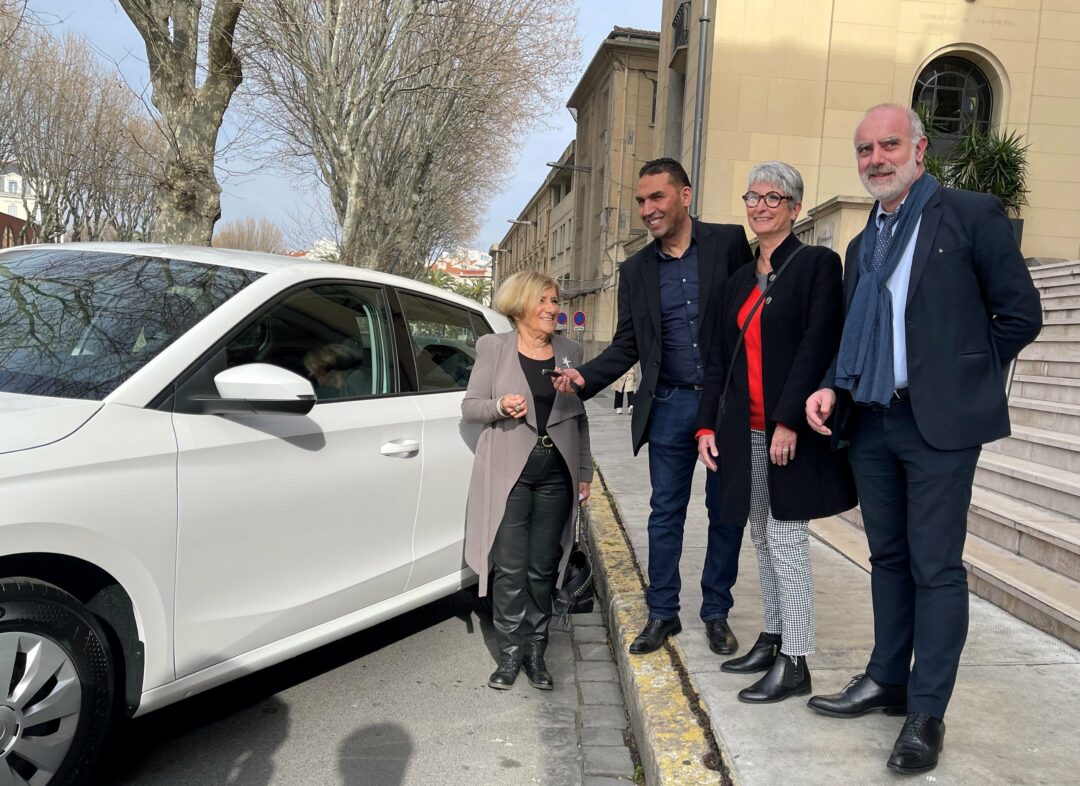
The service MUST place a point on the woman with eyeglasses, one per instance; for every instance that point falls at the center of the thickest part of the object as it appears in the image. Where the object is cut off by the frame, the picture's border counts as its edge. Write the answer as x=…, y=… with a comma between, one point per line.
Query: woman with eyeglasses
x=780, y=322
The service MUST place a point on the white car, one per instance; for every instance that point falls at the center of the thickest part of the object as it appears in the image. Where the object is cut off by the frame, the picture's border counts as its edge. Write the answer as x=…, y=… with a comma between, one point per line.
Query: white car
x=211, y=461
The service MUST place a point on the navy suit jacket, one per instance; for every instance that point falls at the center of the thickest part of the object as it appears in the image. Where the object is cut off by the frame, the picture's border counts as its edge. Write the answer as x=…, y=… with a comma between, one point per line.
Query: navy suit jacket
x=722, y=248
x=971, y=308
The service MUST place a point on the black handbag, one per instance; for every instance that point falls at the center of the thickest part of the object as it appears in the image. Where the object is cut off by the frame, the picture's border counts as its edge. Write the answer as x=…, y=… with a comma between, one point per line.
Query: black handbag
x=576, y=593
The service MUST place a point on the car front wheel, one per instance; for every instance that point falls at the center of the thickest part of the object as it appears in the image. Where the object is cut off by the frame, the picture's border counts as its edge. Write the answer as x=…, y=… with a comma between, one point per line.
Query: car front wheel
x=56, y=685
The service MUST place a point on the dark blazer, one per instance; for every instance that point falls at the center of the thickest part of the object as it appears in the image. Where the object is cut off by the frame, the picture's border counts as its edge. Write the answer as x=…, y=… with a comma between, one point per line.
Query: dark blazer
x=971, y=308
x=722, y=248
x=801, y=320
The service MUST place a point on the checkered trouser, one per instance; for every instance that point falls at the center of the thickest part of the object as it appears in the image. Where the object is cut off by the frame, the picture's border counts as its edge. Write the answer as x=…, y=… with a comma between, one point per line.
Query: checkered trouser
x=783, y=556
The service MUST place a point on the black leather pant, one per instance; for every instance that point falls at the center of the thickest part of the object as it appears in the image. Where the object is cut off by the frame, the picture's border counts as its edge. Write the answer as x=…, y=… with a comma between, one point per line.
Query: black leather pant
x=526, y=552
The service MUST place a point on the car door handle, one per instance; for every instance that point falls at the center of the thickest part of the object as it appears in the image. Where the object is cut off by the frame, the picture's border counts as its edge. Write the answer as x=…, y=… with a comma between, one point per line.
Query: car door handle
x=400, y=448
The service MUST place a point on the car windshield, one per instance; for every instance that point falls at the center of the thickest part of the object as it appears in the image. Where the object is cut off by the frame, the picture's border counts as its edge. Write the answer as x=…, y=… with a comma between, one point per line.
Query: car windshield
x=76, y=324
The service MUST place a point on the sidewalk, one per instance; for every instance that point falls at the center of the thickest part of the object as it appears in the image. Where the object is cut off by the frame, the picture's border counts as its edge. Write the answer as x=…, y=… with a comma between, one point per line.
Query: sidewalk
x=1013, y=716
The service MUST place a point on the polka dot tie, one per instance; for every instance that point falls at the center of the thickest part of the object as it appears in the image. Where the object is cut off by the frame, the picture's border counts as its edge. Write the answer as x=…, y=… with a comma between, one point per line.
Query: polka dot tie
x=884, y=240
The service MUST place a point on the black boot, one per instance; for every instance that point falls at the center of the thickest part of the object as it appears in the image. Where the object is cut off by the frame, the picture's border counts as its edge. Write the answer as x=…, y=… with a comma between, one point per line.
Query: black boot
x=536, y=671
x=503, y=677
x=788, y=676
x=759, y=658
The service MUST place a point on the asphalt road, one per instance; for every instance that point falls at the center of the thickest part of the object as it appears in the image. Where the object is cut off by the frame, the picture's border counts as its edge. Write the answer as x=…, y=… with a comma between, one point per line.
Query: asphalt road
x=405, y=702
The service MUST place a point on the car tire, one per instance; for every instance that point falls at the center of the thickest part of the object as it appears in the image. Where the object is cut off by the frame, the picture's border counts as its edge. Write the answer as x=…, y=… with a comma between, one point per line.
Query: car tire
x=56, y=685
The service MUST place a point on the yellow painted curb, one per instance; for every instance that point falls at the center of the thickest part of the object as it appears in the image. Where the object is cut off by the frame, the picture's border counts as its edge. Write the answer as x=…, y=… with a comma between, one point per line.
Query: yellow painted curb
x=671, y=742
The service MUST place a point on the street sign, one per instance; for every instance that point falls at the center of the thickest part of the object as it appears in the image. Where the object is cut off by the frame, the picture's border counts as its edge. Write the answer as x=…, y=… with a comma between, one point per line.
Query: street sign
x=561, y=320
x=579, y=319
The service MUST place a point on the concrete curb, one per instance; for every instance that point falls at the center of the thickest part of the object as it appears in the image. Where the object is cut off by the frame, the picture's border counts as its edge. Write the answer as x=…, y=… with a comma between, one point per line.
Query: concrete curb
x=671, y=741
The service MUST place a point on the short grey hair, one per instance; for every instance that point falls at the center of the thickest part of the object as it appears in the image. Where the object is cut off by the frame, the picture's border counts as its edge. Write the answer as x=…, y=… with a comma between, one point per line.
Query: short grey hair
x=917, y=130
x=777, y=173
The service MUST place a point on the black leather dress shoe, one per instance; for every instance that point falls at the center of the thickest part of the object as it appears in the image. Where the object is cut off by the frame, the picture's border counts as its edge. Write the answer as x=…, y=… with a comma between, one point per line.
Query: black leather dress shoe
x=918, y=746
x=536, y=671
x=503, y=677
x=759, y=658
x=653, y=634
x=721, y=640
x=787, y=677
x=862, y=695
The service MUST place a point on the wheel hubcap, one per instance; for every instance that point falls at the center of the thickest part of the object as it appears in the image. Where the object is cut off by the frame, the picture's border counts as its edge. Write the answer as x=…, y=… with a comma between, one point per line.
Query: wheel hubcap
x=40, y=700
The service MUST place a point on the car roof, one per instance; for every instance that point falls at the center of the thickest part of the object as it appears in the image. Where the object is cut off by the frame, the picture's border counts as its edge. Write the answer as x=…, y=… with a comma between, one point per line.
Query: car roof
x=256, y=262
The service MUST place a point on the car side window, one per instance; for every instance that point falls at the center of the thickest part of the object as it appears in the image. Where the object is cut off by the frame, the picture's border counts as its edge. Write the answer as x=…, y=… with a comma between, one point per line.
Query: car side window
x=443, y=339
x=336, y=335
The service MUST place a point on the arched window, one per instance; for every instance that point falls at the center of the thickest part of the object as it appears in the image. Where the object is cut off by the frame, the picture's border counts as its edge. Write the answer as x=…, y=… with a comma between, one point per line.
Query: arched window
x=8, y=239
x=956, y=95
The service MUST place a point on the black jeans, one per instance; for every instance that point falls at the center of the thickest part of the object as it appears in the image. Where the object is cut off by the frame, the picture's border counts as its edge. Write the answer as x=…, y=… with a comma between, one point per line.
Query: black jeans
x=526, y=552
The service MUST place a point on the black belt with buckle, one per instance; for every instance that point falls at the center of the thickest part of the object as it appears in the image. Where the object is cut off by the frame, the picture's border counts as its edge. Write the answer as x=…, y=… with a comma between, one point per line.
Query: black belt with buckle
x=545, y=441
x=681, y=387
x=900, y=394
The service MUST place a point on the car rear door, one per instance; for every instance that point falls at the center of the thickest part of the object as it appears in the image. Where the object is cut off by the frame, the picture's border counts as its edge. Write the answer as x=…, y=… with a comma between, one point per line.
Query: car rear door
x=288, y=522
x=443, y=336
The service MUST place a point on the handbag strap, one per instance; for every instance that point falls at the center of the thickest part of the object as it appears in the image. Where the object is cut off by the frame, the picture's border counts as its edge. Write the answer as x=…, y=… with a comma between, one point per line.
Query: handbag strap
x=746, y=326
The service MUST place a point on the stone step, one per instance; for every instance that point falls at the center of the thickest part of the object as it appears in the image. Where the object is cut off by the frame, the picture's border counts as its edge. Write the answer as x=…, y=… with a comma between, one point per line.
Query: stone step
x=1050, y=415
x=1045, y=537
x=1045, y=388
x=1035, y=594
x=1059, y=278
x=1053, y=301
x=1054, y=268
x=1042, y=446
x=1038, y=596
x=1058, y=287
x=1051, y=349
x=1048, y=368
x=1039, y=484
x=1060, y=316
x=1060, y=330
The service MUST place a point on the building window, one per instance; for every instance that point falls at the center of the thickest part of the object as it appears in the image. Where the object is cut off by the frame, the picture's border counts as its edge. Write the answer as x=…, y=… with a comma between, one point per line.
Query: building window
x=13, y=186
x=13, y=209
x=955, y=95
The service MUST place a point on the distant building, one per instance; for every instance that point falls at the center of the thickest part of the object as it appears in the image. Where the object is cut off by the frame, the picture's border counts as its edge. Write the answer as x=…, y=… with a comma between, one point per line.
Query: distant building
x=579, y=223
x=15, y=196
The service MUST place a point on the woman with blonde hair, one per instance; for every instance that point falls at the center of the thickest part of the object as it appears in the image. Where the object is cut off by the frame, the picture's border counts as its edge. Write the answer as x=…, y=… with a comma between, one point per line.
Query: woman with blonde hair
x=532, y=464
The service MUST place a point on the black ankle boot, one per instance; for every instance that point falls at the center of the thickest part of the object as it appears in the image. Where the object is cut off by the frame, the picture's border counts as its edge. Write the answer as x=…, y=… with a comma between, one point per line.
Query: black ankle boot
x=788, y=676
x=536, y=671
x=503, y=677
x=759, y=658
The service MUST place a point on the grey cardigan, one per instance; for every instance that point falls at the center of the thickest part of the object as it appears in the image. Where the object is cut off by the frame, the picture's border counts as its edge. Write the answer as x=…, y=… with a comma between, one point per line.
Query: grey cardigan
x=505, y=442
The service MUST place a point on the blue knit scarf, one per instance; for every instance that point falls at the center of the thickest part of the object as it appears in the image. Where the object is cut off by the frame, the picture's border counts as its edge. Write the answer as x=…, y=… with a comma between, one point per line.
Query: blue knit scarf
x=864, y=364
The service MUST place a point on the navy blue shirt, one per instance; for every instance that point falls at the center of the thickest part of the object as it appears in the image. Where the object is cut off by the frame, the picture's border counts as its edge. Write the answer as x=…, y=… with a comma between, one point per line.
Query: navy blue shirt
x=681, y=362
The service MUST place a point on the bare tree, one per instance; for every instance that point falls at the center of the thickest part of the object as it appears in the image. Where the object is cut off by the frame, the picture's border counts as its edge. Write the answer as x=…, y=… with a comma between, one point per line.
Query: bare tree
x=89, y=161
x=189, y=196
x=410, y=109
x=251, y=234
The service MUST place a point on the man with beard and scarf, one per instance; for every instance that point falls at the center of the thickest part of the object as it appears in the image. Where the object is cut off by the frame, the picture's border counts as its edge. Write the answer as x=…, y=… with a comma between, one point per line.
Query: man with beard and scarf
x=938, y=301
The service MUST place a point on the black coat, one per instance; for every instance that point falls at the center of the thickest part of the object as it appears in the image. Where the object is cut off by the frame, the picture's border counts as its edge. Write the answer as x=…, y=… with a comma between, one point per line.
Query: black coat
x=722, y=248
x=801, y=320
x=971, y=308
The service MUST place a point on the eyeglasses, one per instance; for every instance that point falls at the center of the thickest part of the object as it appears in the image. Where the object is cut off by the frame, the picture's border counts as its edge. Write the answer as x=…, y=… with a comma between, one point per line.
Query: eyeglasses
x=772, y=199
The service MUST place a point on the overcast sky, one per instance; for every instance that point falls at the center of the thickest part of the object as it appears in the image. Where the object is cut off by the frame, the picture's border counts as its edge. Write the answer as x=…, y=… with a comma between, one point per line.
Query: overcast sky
x=273, y=196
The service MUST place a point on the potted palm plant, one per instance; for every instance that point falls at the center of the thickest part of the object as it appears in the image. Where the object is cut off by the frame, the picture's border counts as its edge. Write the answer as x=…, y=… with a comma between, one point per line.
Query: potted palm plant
x=992, y=162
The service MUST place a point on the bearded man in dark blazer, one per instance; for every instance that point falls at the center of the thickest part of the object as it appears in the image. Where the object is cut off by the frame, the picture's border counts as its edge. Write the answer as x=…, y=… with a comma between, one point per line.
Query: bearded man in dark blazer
x=665, y=292
x=938, y=301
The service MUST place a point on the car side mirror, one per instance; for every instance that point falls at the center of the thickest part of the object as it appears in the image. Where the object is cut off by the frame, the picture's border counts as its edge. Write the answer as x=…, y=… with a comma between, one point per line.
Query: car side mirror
x=258, y=389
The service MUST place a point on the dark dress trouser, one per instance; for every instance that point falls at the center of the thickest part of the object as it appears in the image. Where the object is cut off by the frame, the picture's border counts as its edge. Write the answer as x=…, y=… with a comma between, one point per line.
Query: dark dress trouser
x=914, y=500
x=526, y=552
